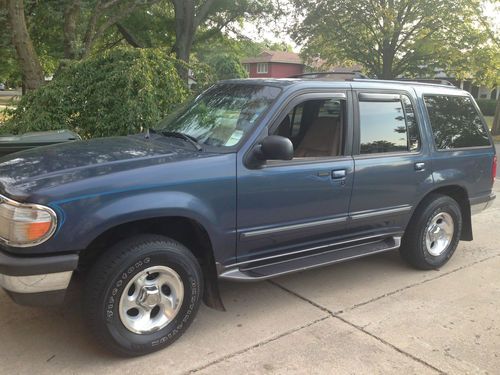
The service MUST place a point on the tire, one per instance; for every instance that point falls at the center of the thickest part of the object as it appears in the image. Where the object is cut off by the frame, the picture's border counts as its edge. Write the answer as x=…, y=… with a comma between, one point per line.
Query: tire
x=138, y=273
x=424, y=246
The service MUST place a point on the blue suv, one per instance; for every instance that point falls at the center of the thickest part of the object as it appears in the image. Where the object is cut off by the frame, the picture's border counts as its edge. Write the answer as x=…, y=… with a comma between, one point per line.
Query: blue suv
x=253, y=179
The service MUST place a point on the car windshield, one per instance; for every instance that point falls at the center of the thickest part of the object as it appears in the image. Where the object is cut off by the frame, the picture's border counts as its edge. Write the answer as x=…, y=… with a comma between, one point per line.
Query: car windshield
x=222, y=115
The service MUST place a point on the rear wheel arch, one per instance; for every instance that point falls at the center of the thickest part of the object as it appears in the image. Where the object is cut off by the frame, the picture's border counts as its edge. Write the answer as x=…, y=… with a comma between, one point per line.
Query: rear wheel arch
x=187, y=231
x=460, y=195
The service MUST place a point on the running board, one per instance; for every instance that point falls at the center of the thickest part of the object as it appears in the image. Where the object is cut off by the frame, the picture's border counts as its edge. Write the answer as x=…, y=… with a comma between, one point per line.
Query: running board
x=310, y=261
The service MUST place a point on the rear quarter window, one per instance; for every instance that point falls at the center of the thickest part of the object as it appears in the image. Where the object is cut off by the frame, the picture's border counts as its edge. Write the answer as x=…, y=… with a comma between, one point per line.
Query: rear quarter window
x=455, y=122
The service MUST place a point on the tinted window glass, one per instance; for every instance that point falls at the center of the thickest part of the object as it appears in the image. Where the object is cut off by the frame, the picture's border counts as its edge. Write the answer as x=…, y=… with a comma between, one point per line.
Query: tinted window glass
x=222, y=115
x=455, y=122
x=383, y=127
x=411, y=124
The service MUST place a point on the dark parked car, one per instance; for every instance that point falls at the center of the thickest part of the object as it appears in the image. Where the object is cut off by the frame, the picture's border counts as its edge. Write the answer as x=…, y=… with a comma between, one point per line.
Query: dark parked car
x=15, y=143
x=254, y=179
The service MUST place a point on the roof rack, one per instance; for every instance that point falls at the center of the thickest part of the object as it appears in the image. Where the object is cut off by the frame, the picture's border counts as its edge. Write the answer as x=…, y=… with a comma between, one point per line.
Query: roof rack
x=333, y=76
x=357, y=76
x=426, y=80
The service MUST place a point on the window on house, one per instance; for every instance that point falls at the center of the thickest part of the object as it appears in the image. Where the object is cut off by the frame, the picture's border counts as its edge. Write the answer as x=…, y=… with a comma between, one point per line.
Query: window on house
x=247, y=67
x=388, y=126
x=262, y=68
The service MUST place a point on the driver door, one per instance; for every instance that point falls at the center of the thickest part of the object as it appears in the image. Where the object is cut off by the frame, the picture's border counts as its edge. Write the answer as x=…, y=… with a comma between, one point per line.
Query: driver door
x=300, y=204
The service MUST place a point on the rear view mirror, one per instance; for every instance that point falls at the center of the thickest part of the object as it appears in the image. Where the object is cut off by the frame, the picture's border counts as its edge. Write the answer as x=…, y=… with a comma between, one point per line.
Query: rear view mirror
x=274, y=147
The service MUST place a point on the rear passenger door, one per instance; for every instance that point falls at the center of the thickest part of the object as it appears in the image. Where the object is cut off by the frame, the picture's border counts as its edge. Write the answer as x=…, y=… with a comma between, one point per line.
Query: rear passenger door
x=390, y=162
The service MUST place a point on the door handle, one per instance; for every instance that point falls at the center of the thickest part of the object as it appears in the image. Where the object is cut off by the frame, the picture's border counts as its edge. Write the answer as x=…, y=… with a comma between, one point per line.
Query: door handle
x=338, y=173
x=420, y=166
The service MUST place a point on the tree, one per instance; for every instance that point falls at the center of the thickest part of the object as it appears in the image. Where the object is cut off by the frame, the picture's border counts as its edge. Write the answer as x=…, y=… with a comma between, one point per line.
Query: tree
x=214, y=14
x=117, y=92
x=85, y=24
x=388, y=37
x=30, y=65
x=477, y=58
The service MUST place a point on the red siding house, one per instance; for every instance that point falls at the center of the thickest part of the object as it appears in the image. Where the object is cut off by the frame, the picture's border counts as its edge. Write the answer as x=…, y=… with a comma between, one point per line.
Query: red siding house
x=275, y=64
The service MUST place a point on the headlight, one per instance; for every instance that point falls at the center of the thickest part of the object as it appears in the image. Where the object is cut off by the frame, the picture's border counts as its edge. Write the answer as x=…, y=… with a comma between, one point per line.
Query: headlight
x=24, y=225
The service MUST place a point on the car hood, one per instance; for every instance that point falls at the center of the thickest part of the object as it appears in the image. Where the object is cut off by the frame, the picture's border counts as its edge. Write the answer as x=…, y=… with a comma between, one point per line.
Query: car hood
x=24, y=172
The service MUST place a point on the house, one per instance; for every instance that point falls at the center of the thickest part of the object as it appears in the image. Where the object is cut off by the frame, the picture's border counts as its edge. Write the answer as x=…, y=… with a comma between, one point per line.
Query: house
x=275, y=64
x=478, y=92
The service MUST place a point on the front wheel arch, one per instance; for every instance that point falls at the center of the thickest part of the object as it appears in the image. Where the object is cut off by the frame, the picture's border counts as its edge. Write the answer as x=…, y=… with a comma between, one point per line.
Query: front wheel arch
x=185, y=230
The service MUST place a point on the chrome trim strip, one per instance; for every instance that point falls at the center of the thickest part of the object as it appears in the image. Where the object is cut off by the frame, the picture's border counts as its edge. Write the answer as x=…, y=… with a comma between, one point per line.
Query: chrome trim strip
x=373, y=213
x=261, y=232
x=49, y=234
x=237, y=275
x=36, y=283
x=222, y=268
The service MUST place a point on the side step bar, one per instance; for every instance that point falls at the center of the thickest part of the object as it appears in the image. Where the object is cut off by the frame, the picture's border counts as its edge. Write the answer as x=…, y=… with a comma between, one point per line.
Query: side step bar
x=310, y=261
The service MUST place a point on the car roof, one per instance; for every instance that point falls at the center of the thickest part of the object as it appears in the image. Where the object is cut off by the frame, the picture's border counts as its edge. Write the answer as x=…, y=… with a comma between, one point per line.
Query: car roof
x=360, y=83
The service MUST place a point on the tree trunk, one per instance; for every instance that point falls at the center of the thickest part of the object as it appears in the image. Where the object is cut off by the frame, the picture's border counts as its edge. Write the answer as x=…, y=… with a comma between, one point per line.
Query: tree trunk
x=71, y=15
x=28, y=59
x=387, y=62
x=495, y=129
x=184, y=33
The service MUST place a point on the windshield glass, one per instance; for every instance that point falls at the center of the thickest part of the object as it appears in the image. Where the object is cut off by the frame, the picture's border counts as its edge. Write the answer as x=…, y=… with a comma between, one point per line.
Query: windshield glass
x=222, y=115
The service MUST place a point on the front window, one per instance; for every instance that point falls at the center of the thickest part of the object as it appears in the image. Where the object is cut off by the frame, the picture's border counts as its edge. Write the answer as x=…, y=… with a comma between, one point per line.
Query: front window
x=222, y=115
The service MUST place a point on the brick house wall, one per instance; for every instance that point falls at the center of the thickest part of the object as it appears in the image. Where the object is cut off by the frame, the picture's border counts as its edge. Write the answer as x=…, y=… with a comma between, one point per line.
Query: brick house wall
x=276, y=70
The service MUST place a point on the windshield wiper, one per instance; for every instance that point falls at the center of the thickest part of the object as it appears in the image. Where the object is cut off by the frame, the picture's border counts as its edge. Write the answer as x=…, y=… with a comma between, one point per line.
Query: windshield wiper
x=187, y=138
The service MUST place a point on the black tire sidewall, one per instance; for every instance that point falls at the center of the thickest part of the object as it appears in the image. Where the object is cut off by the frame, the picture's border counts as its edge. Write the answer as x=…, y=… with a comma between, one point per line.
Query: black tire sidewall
x=449, y=206
x=130, y=343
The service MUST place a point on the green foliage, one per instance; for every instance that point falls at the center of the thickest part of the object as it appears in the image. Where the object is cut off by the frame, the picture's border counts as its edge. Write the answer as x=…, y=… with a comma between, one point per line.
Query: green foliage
x=389, y=38
x=227, y=66
x=487, y=106
x=116, y=93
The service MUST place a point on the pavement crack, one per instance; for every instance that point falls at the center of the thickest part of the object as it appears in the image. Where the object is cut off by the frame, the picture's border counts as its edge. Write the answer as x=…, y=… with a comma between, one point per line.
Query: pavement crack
x=415, y=284
x=259, y=344
x=358, y=328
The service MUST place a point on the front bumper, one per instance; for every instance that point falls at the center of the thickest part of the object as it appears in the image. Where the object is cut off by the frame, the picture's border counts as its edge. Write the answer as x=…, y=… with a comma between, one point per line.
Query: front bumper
x=36, y=280
x=479, y=204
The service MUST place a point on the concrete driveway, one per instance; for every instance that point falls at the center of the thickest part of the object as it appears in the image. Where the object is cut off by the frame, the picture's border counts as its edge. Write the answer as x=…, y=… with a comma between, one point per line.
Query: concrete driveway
x=371, y=316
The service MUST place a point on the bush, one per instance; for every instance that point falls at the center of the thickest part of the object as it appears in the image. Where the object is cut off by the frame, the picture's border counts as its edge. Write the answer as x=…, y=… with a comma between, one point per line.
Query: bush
x=487, y=106
x=116, y=93
x=227, y=66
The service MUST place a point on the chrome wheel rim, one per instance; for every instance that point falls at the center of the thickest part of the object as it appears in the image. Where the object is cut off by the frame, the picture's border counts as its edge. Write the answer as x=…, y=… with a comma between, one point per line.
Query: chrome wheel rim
x=439, y=233
x=151, y=300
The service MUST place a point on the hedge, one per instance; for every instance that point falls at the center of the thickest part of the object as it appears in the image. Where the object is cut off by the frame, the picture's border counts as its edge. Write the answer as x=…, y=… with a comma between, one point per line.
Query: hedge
x=116, y=93
x=487, y=106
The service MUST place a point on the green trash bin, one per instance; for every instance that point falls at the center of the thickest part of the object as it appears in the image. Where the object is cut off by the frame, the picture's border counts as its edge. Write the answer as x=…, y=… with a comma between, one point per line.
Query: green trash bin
x=15, y=143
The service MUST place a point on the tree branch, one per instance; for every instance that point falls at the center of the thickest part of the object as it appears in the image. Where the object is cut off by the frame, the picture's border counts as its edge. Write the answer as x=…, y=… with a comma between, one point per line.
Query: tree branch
x=202, y=12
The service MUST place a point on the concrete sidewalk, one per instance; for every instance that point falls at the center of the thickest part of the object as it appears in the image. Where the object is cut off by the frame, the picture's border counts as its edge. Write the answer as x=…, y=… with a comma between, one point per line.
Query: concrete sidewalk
x=370, y=316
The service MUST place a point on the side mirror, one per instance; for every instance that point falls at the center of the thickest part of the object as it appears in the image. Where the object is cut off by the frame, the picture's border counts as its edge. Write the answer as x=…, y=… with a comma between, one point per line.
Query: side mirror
x=274, y=147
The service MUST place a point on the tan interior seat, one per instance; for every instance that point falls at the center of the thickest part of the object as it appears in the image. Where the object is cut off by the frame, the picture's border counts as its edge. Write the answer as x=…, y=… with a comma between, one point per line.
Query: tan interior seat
x=321, y=139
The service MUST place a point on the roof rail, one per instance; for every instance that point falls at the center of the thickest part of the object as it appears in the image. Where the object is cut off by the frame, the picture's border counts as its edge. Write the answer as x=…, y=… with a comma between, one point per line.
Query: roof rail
x=334, y=76
x=426, y=80
x=357, y=76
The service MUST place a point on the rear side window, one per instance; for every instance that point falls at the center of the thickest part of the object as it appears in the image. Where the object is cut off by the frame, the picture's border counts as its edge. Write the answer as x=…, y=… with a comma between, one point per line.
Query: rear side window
x=455, y=122
x=388, y=126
